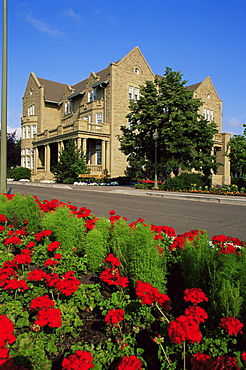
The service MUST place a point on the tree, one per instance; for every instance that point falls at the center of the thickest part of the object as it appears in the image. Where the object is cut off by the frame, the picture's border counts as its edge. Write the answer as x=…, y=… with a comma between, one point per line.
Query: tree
x=185, y=138
x=13, y=150
x=237, y=155
x=72, y=162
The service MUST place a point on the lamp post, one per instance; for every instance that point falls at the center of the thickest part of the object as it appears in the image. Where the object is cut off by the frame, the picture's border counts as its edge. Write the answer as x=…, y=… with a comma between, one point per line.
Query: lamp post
x=155, y=138
x=3, y=161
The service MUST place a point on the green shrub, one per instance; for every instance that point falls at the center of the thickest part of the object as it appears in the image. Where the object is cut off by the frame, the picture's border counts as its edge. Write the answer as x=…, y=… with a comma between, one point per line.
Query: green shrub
x=241, y=183
x=18, y=209
x=21, y=173
x=185, y=181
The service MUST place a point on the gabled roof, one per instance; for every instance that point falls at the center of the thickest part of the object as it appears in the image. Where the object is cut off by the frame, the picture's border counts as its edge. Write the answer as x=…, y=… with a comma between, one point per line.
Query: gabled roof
x=194, y=87
x=53, y=91
x=104, y=75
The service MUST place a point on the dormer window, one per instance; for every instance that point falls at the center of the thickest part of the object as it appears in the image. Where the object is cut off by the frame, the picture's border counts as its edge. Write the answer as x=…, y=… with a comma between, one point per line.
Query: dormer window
x=68, y=108
x=92, y=95
x=137, y=70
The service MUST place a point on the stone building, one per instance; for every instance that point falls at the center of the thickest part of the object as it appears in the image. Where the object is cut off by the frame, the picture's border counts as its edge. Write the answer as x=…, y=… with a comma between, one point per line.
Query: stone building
x=91, y=112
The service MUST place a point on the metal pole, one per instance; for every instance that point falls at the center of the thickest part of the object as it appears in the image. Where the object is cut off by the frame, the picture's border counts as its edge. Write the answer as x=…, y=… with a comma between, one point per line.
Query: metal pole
x=155, y=137
x=3, y=175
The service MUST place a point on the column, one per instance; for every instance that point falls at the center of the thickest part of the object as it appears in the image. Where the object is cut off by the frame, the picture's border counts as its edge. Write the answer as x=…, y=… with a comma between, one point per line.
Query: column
x=103, y=155
x=108, y=156
x=84, y=145
x=47, y=158
x=35, y=160
x=79, y=141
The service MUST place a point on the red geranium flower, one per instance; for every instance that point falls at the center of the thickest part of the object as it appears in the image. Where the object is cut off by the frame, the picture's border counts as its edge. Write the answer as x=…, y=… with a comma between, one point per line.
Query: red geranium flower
x=49, y=316
x=197, y=313
x=243, y=356
x=43, y=234
x=114, y=316
x=12, y=240
x=81, y=360
x=149, y=294
x=41, y=302
x=36, y=275
x=53, y=246
x=232, y=325
x=113, y=277
x=195, y=296
x=113, y=260
x=184, y=328
x=3, y=218
x=130, y=363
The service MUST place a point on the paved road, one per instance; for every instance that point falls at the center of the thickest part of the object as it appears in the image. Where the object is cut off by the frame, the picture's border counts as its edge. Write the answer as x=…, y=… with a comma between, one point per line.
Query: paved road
x=182, y=214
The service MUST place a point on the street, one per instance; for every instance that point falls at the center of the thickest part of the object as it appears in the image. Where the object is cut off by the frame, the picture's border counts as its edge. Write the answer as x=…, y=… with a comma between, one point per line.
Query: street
x=182, y=215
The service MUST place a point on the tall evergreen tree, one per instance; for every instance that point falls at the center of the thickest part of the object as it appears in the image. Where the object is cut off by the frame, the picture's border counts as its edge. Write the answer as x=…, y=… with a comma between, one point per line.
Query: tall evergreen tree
x=72, y=162
x=185, y=138
x=237, y=155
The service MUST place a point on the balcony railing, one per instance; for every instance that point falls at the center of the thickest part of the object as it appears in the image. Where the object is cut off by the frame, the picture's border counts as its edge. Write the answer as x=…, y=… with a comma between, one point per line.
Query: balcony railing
x=80, y=125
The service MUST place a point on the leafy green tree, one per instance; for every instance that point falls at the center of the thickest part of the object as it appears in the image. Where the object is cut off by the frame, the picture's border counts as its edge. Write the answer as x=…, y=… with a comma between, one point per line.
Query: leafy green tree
x=72, y=162
x=185, y=138
x=13, y=150
x=237, y=155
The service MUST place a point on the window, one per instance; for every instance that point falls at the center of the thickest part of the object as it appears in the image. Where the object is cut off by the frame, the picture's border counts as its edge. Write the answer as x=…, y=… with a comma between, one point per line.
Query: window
x=136, y=93
x=28, y=162
x=28, y=132
x=211, y=116
x=68, y=107
x=98, y=153
x=34, y=130
x=90, y=118
x=130, y=92
x=31, y=110
x=133, y=93
x=27, y=151
x=208, y=114
x=23, y=132
x=98, y=118
x=137, y=71
x=92, y=95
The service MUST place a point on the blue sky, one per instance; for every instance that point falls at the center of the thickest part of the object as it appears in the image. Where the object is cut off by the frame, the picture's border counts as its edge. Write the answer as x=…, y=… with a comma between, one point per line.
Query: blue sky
x=64, y=40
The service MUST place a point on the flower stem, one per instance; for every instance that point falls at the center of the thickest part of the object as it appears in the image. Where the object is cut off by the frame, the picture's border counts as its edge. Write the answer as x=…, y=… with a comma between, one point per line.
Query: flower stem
x=184, y=357
x=163, y=350
x=162, y=313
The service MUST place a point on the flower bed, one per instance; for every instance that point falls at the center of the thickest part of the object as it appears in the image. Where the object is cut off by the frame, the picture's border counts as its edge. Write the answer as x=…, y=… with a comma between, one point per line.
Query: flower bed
x=80, y=292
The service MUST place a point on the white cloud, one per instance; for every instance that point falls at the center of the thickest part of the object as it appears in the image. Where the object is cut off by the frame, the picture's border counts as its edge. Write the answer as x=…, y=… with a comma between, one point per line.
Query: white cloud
x=14, y=129
x=71, y=13
x=41, y=26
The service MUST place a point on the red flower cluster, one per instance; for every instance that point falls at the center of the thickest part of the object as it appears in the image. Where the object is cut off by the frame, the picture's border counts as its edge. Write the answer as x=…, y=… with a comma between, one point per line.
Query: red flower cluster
x=165, y=229
x=197, y=313
x=12, y=240
x=179, y=241
x=149, y=295
x=49, y=316
x=184, y=328
x=41, y=302
x=36, y=275
x=221, y=240
x=3, y=218
x=130, y=363
x=232, y=325
x=15, y=284
x=50, y=262
x=113, y=276
x=7, y=337
x=202, y=361
x=114, y=316
x=83, y=212
x=195, y=296
x=68, y=284
x=53, y=246
x=43, y=234
x=115, y=262
x=81, y=360
x=24, y=257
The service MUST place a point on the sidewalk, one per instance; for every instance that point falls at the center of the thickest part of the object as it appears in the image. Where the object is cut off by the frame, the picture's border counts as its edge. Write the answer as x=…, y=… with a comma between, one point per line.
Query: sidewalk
x=130, y=190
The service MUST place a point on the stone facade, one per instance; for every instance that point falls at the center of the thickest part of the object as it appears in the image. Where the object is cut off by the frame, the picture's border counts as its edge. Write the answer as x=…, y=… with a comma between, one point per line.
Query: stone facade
x=91, y=112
